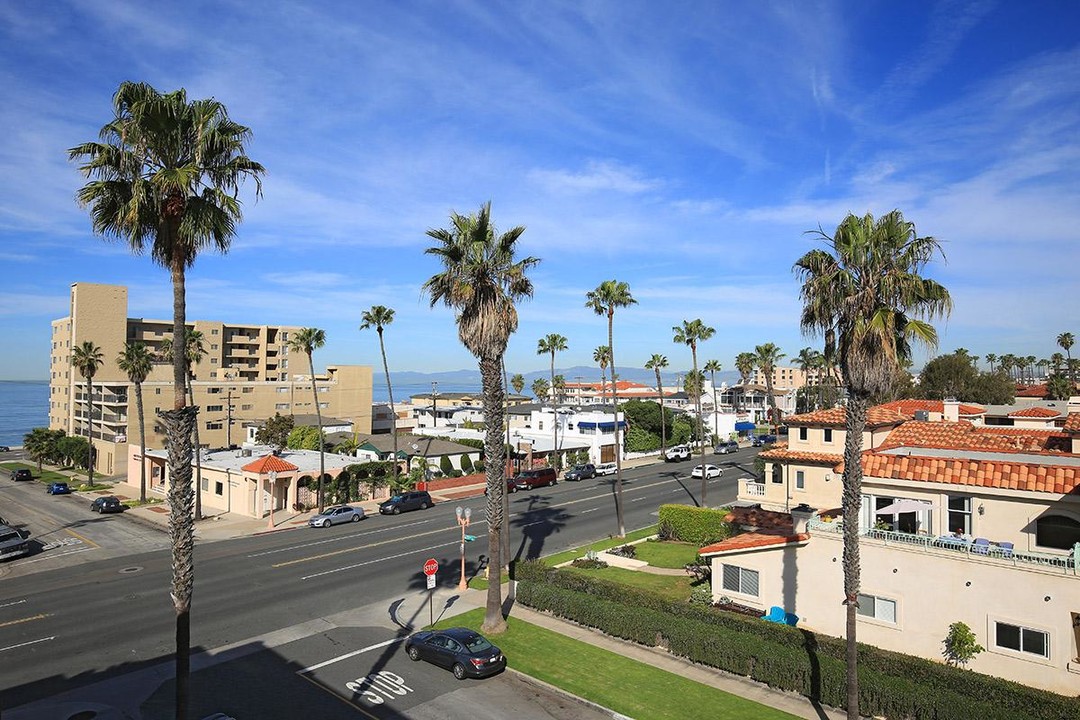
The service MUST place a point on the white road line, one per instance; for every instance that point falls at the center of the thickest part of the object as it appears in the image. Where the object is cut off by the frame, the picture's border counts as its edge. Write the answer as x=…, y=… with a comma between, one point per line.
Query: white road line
x=589, y=510
x=17, y=602
x=638, y=499
x=371, y=562
x=32, y=642
x=346, y=656
x=56, y=555
x=338, y=538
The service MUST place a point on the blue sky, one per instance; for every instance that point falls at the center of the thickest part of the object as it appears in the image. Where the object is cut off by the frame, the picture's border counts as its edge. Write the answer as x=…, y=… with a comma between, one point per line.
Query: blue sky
x=683, y=148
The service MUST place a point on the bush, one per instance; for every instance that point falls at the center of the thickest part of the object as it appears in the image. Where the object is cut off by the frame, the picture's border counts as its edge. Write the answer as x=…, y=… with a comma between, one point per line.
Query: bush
x=446, y=466
x=701, y=596
x=626, y=551
x=588, y=563
x=466, y=464
x=700, y=526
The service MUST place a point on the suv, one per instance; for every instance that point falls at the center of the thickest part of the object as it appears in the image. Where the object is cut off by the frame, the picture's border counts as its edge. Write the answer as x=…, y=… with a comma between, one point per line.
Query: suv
x=761, y=440
x=726, y=446
x=12, y=543
x=417, y=500
x=677, y=452
x=581, y=472
x=540, y=477
x=22, y=474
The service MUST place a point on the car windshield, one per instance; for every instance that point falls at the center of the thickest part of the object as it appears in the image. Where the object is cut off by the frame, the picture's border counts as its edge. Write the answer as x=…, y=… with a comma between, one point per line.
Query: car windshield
x=9, y=536
x=396, y=498
x=477, y=643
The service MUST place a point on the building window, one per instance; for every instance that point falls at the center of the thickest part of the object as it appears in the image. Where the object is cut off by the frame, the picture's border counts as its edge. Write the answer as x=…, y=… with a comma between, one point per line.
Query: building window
x=740, y=580
x=214, y=332
x=157, y=391
x=1057, y=531
x=960, y=514
x=213, y=361
x=777, y=473
x=800, y=480
x=802, y=433
x=246, y=406
x=878, y=608
x=1022, y=639
x=213, y=391
x=324, y=405
x=246, y=390
x=282, y=389
x=214, y=408
x=827, y=433
x=213, y=426
x=281, y=406
x=219, y=488
x=540, y=425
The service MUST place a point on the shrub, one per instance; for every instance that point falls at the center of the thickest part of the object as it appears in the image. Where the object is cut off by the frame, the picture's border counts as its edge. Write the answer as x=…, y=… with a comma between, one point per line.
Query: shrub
x=700, y=526
x=626, y=551
x=445, y=465
x=701, y=596
x=466, y=464
x=588, y=563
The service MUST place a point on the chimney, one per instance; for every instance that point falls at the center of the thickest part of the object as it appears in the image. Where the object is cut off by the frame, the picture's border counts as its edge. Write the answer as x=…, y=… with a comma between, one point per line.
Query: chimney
x=951, y=409
x=800, y=515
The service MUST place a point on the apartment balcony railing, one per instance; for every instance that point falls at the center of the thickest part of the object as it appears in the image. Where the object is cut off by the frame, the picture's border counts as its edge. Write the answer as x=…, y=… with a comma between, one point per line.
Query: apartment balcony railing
x=754, y=489
x=1069, y=564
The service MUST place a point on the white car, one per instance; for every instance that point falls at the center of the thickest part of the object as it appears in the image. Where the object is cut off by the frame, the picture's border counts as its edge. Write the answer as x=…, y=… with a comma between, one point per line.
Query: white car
x=709, y=471
x=607, y=469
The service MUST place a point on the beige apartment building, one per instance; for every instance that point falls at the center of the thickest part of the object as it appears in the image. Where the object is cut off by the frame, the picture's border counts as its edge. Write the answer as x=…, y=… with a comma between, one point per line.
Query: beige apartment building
x=247, y=375
x=788, y=378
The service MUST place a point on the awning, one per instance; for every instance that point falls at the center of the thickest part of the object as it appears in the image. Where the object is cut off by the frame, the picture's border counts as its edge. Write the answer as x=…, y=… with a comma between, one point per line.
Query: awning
x=586, y=426
x=905, y=506
x=741, y=426
x=609, y=425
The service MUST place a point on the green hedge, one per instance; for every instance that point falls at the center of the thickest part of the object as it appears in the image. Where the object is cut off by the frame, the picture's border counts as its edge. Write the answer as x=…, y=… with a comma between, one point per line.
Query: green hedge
x=890, y=684
x=692, y=524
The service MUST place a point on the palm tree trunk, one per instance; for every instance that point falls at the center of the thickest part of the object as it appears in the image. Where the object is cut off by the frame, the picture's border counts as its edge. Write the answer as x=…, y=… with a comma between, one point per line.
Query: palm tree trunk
x=318, y=420
x=90, y=430
x=855, y=422
x=663, y=433
x=505, y=535
x=495, y=469
x=393, y=413
x=554, y=419
x=142, y=442
x=701, y=427
x=615, y=406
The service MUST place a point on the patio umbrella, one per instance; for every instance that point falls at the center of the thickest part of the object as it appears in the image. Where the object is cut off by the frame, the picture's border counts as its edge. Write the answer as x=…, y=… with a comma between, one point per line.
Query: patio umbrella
x=905, y=506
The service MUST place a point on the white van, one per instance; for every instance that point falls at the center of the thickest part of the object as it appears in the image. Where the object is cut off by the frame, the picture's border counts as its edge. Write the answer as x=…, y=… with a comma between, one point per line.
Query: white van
x=607, y=469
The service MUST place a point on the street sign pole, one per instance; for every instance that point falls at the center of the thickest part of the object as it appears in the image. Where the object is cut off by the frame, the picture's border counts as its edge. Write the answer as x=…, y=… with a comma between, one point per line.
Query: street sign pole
x=430, y=568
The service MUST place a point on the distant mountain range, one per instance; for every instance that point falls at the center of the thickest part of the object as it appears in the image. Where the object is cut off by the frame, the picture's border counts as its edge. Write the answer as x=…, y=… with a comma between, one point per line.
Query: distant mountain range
x=577, y=373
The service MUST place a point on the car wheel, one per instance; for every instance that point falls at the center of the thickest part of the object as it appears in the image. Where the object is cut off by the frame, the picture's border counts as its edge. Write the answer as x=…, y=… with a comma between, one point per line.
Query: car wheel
x=355, y=518
x=326, y=522
x=423, y=506
x=459, y=671
x=397, y=511
x=413, y=652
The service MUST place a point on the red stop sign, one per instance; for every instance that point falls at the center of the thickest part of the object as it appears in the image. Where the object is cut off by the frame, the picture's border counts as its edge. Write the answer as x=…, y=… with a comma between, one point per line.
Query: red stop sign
x=431, y=567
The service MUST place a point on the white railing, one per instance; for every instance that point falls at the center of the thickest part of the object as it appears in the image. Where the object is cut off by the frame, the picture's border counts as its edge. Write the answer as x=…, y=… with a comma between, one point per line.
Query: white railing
x=755, y=489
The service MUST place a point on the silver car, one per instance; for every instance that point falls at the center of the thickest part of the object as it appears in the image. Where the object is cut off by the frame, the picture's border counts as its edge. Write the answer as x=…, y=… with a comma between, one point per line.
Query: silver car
x=337, y=515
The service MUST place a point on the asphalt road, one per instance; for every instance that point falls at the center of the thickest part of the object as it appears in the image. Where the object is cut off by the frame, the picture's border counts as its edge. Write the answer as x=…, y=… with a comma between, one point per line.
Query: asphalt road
x=111, y=614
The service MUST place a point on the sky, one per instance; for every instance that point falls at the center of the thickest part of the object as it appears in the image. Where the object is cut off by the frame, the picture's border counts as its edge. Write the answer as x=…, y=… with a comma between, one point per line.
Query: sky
x=684, y=148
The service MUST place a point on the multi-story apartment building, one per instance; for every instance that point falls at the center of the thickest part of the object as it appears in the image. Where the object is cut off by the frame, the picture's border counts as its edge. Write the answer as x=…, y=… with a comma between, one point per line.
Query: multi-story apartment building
x=247, y=374
x=788, y=378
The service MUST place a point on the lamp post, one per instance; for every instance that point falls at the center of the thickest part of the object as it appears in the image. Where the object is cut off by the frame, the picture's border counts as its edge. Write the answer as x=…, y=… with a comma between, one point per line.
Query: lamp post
x=273, y=482
x=463, y=521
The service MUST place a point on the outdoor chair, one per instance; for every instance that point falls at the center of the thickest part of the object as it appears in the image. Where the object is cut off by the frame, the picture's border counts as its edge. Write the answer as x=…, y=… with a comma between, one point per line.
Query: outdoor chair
x=776, y=615
x=791, y=619
x=981, y=546
x=1006, y=549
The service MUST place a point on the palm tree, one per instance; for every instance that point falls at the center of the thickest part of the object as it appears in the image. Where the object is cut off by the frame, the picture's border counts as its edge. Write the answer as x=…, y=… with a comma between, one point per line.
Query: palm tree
x=602, y=357
x=991, y=358
x=541, y=388
x=868, y=293
x=137, y=361
x=167, y=173
x=744, y=363
x=1008, y=362
x=767, y=356
x=1029, y=362
x=1065, y=341
x=39, y=444
x=690, y=333
x=517, y=381
x=810, y=359
x=657, y=363
x=378, y=317
x=604, y=300
x=308, y=340
x=551, y=344
x=481, y=280
x=196, y=351
x=87, y=359
x=712, y=367
x=1057, y=360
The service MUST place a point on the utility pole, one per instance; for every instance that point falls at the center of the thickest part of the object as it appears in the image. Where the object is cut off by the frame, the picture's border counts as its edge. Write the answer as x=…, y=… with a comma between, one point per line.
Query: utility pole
x=228, y=425
x=434, y=402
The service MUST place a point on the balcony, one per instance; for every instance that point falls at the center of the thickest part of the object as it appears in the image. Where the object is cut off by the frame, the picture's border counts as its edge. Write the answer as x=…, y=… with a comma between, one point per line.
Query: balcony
x=752, y=488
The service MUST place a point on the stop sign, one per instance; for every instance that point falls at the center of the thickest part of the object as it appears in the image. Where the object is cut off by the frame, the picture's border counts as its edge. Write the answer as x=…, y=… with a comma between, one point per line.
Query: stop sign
x=431, y=566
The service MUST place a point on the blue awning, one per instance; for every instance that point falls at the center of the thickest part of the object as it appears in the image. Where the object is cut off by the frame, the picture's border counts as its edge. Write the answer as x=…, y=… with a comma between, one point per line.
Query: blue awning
x=611, y=425
x=740, y=426
x=586, y=425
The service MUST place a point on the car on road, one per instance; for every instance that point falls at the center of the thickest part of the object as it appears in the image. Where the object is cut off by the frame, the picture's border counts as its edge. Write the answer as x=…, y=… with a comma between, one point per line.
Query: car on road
x=337, y=515
x=417, y=500
x=762, y=440
x=4, y=448
x=676, y=453
x=709, y=471
x=110, y=504
x=728, y=446
x=607, y=469
x=12, y=543
x=580, y=472
x=464, y=652
x=537, y=477
x=22, y=474
x=58, y=488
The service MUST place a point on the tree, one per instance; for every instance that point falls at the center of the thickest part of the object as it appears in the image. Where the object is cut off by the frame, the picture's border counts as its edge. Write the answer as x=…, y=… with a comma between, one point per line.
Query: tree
x=308, y=340
x=88, y=359
x=517, y=381
x=541, y=389
x=481, y=280
x=304, y=437
x=379, y=317
x=602, y=357
x=744, y=363
x=766, y=356
x=657, y=363
x=275, y=431
x=1065, y=341
x=604, y=300
x=690, y=333
x=712, y=367
x=991, y=358
x=954, y=376
x=136, y=361
x=809, y=360
x=167, y=173
x=549, y=345
x=196, y=351
x=865, y=291
x=41, y=443
x=960, y=645
x=1058, y=387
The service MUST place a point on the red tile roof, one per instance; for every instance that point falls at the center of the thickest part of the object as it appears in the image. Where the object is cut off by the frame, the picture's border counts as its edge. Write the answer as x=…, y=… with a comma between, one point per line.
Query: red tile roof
x=910, y=407
x=1031, y=391
x=877, y=416
x=751, y=540
x=269, y=463
x=965, y=436
x=783, y=454
x=1035, y=412
x=1058, y=479
x=1072, y=425
x=764, y=520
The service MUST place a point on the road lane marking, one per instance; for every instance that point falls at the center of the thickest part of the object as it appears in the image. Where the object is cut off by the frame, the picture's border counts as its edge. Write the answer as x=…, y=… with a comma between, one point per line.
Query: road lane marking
x=53, y=556
x=376, y=560
x=638, y=499
x=40, y=616
x=589, y=510
x=338, y=538
x=342, y=551
x=17, y=602
x=86, y=540
x=354, y=653
x=31, y=642
x=348, y=702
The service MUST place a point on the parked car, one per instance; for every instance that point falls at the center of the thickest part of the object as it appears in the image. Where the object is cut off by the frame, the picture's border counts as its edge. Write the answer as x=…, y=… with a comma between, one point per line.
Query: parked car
x=22, y=474
x=417, y=500
x=580, y=472
x=337, y=515
x=464, y=652
x=12, y=543
x=725, y=447
x=4, y=448
x=58, y=488
x=109, y=504
x=538, y=477
x=762, y=440
x=607, y=469
x=676, y=453
x=709, y=471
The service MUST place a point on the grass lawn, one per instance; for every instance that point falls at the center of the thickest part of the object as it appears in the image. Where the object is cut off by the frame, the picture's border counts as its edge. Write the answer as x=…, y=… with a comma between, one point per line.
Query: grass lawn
x=626, y=686
x=666, y=553
x=600, y=545
x=672, y=587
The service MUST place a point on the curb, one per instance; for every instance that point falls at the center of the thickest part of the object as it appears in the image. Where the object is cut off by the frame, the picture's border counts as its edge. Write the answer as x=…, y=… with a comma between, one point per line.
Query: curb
x=530, y=680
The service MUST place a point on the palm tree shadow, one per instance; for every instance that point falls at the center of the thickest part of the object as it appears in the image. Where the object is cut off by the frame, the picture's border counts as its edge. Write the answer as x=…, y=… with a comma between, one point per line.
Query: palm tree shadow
x=680, y=480
x=537, y=523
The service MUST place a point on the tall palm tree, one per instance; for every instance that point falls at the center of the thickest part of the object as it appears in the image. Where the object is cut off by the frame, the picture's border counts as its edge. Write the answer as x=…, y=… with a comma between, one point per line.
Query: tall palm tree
x=991, y=358
x=481, y=280
x=1065, y=341
x=88, y=359
x=744, y=363
x=541, y=388
x=604, y=300
x=166, y=175
x=136, y=361
x=517, y=381
x=657, y=363
x=810, y=359
x=551, y=344
x=1008, y=362
x=602, y=357
x=1057, y=360
x=378, y=317
x=866, y=290
x=690, y=333
x=767, y=355
x=196, y=351
x=307, y=340
x=712, y=367
x=1029, y=362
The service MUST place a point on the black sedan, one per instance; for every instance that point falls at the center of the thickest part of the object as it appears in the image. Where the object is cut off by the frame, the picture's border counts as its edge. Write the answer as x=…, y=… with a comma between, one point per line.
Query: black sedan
x=465, y=652
x=109, y=504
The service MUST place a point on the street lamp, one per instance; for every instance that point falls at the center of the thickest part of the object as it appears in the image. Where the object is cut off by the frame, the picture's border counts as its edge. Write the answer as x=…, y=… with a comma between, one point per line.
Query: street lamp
x=273, y=481
x=463, y=521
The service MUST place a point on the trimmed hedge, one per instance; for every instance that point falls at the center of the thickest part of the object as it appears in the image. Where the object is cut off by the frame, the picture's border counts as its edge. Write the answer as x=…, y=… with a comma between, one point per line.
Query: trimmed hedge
x=890, y=684
x=697, y=525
